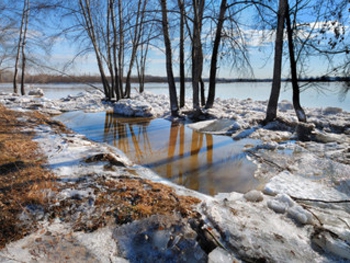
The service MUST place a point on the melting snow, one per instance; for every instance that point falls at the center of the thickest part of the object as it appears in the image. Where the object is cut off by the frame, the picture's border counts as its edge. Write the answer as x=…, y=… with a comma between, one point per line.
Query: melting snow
x=301, y=215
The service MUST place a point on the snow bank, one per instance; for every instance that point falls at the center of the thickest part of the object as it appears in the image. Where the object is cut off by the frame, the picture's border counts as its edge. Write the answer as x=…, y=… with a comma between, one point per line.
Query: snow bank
x=133, y=108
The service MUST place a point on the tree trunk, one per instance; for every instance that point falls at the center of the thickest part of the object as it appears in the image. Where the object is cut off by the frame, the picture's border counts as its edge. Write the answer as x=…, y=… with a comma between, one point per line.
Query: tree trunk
x=197, y=53
x=141, y=65
x=168, y=55
x=271, y=112
x=18, y=53
x=24, y=40
x=202, y=91
x=140, y=15
x=293, y=66
x=23, y=72
x=111, y=52
x=85, y=8
x=214, y=56
x=182, y=53
x=143, y=52
x=121, y=47
x=117, y=89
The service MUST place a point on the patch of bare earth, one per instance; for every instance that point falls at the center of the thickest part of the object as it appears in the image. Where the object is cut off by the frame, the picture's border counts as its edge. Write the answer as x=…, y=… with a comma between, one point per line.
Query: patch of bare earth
x=25, y=185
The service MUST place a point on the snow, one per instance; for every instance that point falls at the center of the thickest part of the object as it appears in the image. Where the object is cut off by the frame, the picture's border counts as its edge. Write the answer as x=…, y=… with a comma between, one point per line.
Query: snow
x=301, y=214
x=133, y=108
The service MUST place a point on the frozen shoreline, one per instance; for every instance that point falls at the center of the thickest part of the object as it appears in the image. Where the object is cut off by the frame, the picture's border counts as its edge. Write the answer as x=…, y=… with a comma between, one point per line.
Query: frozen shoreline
x=301, y=215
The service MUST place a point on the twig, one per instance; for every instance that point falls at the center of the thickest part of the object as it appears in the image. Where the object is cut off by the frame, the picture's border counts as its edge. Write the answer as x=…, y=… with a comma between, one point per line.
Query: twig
x=319, y=200
x=268, y=161
x=346, y=223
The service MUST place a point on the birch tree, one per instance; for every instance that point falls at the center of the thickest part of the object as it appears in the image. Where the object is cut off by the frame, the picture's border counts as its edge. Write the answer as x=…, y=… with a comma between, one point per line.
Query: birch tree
x=20, y=54
x=6, y=25
x=135, y=40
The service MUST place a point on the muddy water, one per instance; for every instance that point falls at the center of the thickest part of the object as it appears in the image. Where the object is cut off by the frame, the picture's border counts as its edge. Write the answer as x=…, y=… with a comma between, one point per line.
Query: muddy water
x=205, y=163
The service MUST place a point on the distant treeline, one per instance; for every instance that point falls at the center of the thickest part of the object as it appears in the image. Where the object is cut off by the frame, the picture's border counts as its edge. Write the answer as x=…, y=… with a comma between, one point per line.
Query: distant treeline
x=46, y=78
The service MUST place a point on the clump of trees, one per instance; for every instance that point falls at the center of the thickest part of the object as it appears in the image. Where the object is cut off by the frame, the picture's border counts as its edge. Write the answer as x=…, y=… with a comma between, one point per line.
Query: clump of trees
x=191, y=33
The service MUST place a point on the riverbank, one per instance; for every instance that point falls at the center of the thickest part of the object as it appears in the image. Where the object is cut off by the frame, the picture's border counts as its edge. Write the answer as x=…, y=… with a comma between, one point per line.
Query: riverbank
x=108, y=209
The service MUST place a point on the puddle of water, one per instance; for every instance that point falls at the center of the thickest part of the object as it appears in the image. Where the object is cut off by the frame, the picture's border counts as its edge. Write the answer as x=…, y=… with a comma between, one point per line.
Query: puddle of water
x=206, y=163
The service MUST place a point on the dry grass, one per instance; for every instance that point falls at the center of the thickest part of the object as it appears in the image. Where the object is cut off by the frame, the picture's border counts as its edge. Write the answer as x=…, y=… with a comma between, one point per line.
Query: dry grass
x=24, y=182
x=22, y=178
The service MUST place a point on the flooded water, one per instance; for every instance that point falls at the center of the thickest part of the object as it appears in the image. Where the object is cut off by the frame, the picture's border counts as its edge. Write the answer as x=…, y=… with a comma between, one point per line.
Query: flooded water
x=205, y=163
x=202, y=162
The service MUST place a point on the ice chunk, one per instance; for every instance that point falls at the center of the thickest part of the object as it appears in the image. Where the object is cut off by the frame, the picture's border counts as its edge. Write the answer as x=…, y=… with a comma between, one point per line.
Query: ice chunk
x=285, y=105
x=281, y=203
x=332, y=243
x=225, y=126
x=158, y=239
x=130, y=107
x=332, y=110
x=220, y=255
x=36, y=92
x=300, y=187
x=300, y=215
x=254, y=196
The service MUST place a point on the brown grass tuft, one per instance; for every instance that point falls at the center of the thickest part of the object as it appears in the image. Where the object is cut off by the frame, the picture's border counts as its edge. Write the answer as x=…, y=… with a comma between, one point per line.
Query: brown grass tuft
x=23, y=181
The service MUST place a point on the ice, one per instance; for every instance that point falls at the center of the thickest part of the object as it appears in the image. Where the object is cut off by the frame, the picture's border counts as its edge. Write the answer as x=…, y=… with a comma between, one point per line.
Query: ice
x=285, y=105
x=254, y=196
x=36, y=92
x=220, y=255
x=158, y=239
x=281, y=203
x=266, y=235
x=300, y=187
x=222, y=126
x=132, y=108
x=302, y=213
x=327, y=241
x=332, y=110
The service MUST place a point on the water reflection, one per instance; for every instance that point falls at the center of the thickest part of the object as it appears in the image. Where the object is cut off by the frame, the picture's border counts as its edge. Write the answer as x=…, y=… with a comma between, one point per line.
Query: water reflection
x=202, y=162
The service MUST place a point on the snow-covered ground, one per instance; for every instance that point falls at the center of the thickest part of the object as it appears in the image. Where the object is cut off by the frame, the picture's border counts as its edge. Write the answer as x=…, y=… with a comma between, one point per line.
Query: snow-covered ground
x=302, y=214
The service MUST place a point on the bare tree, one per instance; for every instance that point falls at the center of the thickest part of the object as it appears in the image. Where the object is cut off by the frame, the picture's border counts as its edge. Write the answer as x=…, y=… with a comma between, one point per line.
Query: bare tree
x=271, y=112
x=20, y=47
x=174, y=108
x=181, y=5
x=309, y=44
x=293, y=66
x=135, y=40
x=197, y=51
x=6, y=32
x=214, y=56
x=89, y=24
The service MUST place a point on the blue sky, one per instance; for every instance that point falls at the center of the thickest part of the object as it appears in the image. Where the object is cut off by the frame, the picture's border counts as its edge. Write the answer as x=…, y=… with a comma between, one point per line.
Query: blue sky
x=260, y=54
x=261, y=59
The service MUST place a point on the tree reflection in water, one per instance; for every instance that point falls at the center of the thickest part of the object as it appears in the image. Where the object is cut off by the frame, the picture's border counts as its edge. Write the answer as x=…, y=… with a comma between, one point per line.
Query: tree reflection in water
x=202, y=162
